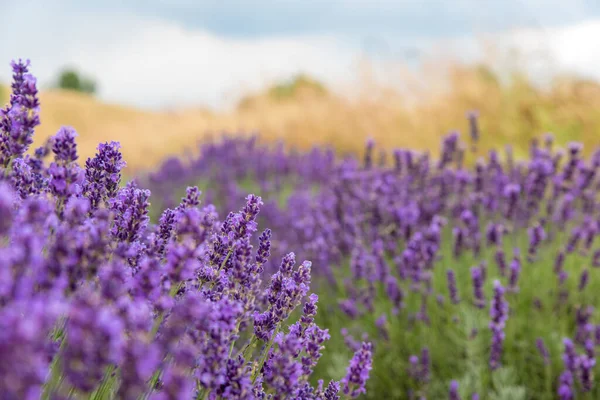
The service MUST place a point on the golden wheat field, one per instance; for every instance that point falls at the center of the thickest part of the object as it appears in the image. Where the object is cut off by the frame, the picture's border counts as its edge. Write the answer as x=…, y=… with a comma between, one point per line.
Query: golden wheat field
x=512, y=111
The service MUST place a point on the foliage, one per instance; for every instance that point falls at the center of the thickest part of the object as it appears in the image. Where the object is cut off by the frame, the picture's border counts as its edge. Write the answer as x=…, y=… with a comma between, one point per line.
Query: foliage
x=70, y=79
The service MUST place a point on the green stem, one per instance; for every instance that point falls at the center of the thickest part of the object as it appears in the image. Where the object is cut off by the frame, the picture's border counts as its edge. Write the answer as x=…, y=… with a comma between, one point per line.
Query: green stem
x=248, y=346
x=157, y=323
x=549, y=380
x=205, y=394
x=222, y=265
x=55, y=372
x=100, y=393
x=264, y=356
x=237, y=328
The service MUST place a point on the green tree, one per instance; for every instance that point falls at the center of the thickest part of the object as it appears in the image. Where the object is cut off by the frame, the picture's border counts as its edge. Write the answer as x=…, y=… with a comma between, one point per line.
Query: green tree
x=70, y=79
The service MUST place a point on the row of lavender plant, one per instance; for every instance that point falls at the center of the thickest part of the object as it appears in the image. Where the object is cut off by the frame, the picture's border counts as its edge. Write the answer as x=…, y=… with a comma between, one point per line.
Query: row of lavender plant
x=96, y=302
x=471, y=280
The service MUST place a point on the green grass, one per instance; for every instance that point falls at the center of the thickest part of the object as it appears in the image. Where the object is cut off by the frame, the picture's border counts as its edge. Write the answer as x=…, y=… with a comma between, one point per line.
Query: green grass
x=455, y=353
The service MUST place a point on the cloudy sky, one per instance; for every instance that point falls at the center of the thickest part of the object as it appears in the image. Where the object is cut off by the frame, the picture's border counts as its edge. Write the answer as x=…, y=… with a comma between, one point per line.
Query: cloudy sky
x=168, y=53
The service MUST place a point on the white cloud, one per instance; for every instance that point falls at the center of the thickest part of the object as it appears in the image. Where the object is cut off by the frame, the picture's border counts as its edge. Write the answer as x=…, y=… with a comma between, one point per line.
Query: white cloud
x=157, y=63
x=573, y=47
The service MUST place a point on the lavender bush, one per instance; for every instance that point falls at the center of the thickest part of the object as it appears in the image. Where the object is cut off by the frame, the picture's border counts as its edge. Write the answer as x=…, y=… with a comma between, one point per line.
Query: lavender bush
x=97, y=302
x=490, y=266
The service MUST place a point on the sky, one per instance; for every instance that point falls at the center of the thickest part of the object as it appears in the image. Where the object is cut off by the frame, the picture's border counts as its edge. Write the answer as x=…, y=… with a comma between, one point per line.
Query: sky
x=171, y=53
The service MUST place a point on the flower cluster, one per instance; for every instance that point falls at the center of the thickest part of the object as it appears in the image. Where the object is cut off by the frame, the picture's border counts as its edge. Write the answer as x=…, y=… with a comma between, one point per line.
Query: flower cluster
x=413, y=251
x=95, y=300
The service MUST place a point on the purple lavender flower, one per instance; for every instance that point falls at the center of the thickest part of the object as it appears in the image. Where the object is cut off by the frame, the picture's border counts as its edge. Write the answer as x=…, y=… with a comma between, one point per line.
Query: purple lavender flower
x=331, y=393
x=570, y=359
x=285, y=292
x=103, y=174
x=453, y=393
x=282, y=370
x=566, y=389
x=543, y=350
x=381, y=324
x=425, y=368
x=477, y=276
x=19, y=119
x=131, y=213
x=452, y=289
x=500, y=261
x=537, y=235
x=583, y=279
x=358, y=371
x=413, y=368
x=515, y=271
x=498, y=317
x=586, y=369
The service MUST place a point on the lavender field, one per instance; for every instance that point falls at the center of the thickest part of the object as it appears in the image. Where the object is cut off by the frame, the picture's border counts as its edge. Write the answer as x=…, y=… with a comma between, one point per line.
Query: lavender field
x=426, y=278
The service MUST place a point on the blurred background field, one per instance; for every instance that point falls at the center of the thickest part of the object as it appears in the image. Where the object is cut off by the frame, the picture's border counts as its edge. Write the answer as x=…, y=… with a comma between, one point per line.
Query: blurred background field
x=303, y=112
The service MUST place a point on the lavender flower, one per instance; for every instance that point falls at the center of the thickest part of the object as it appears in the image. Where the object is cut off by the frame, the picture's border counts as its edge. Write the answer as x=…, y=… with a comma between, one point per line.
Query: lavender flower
x=453, y=393
x=358, y=371
x=19, y=119
x=566, y=389
x=103, y=174
x=498, y=317
x=477, y=276
x=453, y=291
x=515, y=271
x=583, y=279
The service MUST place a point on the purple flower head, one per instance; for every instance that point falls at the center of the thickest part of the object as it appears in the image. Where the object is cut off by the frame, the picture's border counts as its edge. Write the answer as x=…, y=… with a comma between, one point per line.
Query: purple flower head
x=413, y=368
x=500, y=261
x=477, y=277
x=537, y=235
x=264, y=247
x=18, y=120
x=515, y=271
x=453, y=393
x=498, y=316
x=103, y=174
x=64, y=147
x=131, y=212
x=586, y=372
x=543, y=350
x=332, y=391
x=452, y=289
x=583, y=279
x=358, y=371
x=511, y=193
x=381, y=324
x=425, y=367
x=473, y=125
x=570, y=359
x=566, y=389
x=283, y=295
x=192, y=197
